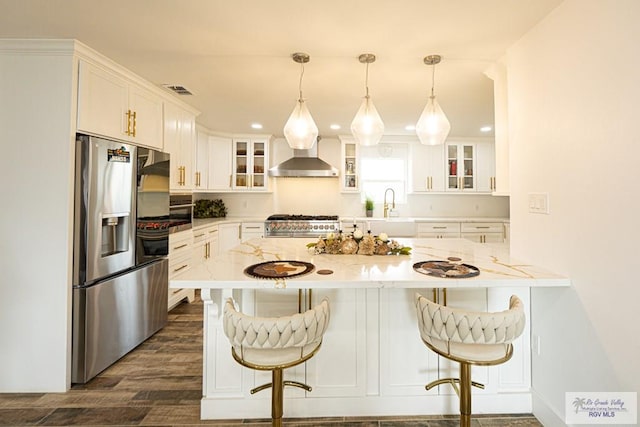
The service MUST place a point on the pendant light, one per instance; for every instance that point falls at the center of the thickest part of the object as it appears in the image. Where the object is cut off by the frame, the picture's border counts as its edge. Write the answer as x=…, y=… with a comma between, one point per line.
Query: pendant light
x=433, y=126
x=300, y=130
x=367, y=126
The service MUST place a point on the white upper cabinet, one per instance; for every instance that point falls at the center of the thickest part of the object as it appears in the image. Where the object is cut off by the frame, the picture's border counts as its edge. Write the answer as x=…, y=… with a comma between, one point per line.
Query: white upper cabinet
x=427, y=168
x=470, y=165
x=250, y=163
x=461, y=167
x=110, y=105
x=212, y=162
x=498, y=73
x=179, y=142
x=350, y=181
x=220, y=172
x=201, y=162
x=486, y=167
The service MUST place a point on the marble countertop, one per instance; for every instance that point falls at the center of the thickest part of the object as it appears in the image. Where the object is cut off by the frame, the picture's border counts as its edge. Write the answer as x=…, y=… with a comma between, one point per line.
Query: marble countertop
x=497, y=268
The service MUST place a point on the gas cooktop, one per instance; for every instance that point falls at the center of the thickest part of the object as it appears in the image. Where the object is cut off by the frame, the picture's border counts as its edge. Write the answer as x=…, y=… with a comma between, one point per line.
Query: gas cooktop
x=287, y=217
x=285, y=225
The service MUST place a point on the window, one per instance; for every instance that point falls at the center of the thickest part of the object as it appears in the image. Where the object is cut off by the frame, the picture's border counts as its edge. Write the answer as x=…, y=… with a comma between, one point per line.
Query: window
x=381, y=167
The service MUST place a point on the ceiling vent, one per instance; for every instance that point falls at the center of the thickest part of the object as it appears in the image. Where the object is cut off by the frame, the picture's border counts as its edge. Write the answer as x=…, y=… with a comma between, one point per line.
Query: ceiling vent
x=180, y=90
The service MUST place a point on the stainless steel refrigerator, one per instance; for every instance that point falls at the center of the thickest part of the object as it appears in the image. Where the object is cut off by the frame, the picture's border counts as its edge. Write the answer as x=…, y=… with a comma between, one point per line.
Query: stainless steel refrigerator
x=121, y=241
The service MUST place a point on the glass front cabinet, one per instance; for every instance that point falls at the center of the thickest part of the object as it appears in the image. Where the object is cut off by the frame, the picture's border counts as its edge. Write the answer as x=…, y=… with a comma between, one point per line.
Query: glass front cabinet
x=349, y=171
x=250, y=163
x=461, y=167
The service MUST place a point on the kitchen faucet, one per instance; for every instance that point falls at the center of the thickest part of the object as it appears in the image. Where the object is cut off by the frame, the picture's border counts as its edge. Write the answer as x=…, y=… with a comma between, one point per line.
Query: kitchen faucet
x=393, y=201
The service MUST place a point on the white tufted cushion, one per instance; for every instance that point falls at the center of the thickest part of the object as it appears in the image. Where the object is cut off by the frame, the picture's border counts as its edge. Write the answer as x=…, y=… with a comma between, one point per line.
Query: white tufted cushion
x=272, y=341
x=474, y=336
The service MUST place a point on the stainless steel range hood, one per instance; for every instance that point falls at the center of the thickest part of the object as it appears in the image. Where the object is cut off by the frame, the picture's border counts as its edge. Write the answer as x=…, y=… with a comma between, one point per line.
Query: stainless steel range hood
x=304, y=163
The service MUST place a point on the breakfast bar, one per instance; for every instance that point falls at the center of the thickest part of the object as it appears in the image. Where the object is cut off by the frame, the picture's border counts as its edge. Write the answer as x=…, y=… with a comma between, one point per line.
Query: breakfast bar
x=372, y=360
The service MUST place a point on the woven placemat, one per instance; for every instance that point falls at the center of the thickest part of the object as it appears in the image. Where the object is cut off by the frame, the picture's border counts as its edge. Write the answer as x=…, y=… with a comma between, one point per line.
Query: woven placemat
x=446, y=269
x=279, y=269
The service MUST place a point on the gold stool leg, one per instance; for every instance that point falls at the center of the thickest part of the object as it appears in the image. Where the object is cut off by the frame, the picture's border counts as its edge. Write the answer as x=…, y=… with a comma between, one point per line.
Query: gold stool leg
x=465, y=395
x=276, y=397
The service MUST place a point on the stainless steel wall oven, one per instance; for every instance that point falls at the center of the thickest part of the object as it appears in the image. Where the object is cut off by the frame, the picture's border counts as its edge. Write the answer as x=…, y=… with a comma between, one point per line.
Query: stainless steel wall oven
x=180, y=212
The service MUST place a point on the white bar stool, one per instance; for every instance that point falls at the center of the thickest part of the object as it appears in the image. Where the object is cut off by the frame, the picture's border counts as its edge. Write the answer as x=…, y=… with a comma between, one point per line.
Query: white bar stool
x=470, y=338
x=275, y=343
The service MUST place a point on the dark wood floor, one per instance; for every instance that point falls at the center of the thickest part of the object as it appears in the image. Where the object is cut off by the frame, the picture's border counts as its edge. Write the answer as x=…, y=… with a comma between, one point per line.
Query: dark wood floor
x=160, y=384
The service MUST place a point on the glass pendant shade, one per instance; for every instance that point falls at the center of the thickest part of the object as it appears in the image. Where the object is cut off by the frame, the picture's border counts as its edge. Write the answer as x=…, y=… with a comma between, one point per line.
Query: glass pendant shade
x=367, y=126
x=301, y=131
x=433, y=126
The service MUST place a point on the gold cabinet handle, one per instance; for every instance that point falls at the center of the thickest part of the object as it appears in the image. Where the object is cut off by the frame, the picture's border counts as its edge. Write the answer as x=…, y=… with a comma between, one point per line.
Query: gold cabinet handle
x=128, y=132
x=230, y=181
x=134, y=125
x=180, y=247
x=182, y=267
x=181, y=179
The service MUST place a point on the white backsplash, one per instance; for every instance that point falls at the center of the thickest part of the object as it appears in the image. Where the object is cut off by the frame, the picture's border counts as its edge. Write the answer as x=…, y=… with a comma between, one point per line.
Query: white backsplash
x=322, y=196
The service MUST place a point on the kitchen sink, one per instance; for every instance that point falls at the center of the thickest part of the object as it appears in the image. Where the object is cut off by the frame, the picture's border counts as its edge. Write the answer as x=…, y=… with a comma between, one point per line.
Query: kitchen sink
x=394, y=227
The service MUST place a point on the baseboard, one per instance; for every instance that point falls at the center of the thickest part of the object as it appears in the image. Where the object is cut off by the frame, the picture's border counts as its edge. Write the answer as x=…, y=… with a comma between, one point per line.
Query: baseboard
x=545, y=413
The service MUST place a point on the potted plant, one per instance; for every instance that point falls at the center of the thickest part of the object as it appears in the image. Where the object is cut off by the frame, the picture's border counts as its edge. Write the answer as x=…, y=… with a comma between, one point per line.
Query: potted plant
x=368, y=206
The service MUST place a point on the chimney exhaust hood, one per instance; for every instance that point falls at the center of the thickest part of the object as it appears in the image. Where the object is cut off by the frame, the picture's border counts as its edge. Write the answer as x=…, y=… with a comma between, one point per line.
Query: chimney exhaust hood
x=304, y=163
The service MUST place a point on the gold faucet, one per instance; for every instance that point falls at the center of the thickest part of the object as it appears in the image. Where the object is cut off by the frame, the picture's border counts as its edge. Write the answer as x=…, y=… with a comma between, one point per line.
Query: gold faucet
x=393, y=202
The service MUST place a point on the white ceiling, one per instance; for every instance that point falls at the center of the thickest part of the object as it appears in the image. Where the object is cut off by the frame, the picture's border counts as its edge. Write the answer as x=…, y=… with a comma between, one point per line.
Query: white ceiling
x=235, y=55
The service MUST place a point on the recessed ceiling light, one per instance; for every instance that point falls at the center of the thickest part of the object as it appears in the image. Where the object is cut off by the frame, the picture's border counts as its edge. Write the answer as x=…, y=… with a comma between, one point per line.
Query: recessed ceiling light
x=410, y=127
x=334, y=127
x=485, y=129
x=256, y=126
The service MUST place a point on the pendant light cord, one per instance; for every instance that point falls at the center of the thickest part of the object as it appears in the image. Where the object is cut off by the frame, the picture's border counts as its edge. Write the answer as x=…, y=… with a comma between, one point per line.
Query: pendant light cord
x=366, y=80
x=433, y=79
x=300, y=85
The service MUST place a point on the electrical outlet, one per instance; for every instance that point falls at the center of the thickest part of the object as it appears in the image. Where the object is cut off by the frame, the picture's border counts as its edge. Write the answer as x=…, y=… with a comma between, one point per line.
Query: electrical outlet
x=539, y=203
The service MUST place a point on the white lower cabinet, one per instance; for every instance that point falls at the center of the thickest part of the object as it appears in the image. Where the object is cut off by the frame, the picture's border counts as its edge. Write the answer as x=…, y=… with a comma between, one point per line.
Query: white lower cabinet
x=372, y=360
x=205, y=244
x=406, y=365
x=228, y=236
x=180, y=260
x=438, y=230
x=483, y=232
x=339, y=367
x=251, y=230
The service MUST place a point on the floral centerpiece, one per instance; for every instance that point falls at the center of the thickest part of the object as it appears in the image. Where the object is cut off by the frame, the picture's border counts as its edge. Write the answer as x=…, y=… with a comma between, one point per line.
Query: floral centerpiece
x=357, y=243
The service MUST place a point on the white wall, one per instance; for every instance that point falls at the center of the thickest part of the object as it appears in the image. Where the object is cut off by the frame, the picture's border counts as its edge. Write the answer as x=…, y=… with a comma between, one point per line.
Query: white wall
x=36, y=113
x=573, y=97
x=322, y=196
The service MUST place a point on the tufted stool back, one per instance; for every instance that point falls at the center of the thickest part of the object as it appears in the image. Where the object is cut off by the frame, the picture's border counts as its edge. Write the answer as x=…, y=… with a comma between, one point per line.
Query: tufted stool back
x=275, y=341
x=476, y=337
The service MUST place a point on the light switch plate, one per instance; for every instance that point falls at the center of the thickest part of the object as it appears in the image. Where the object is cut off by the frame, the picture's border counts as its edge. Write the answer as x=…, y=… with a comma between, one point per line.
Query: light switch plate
x=539, y=203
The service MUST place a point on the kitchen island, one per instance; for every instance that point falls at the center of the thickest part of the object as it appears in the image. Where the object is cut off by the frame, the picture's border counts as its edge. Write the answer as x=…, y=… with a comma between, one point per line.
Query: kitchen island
x=372, y=361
